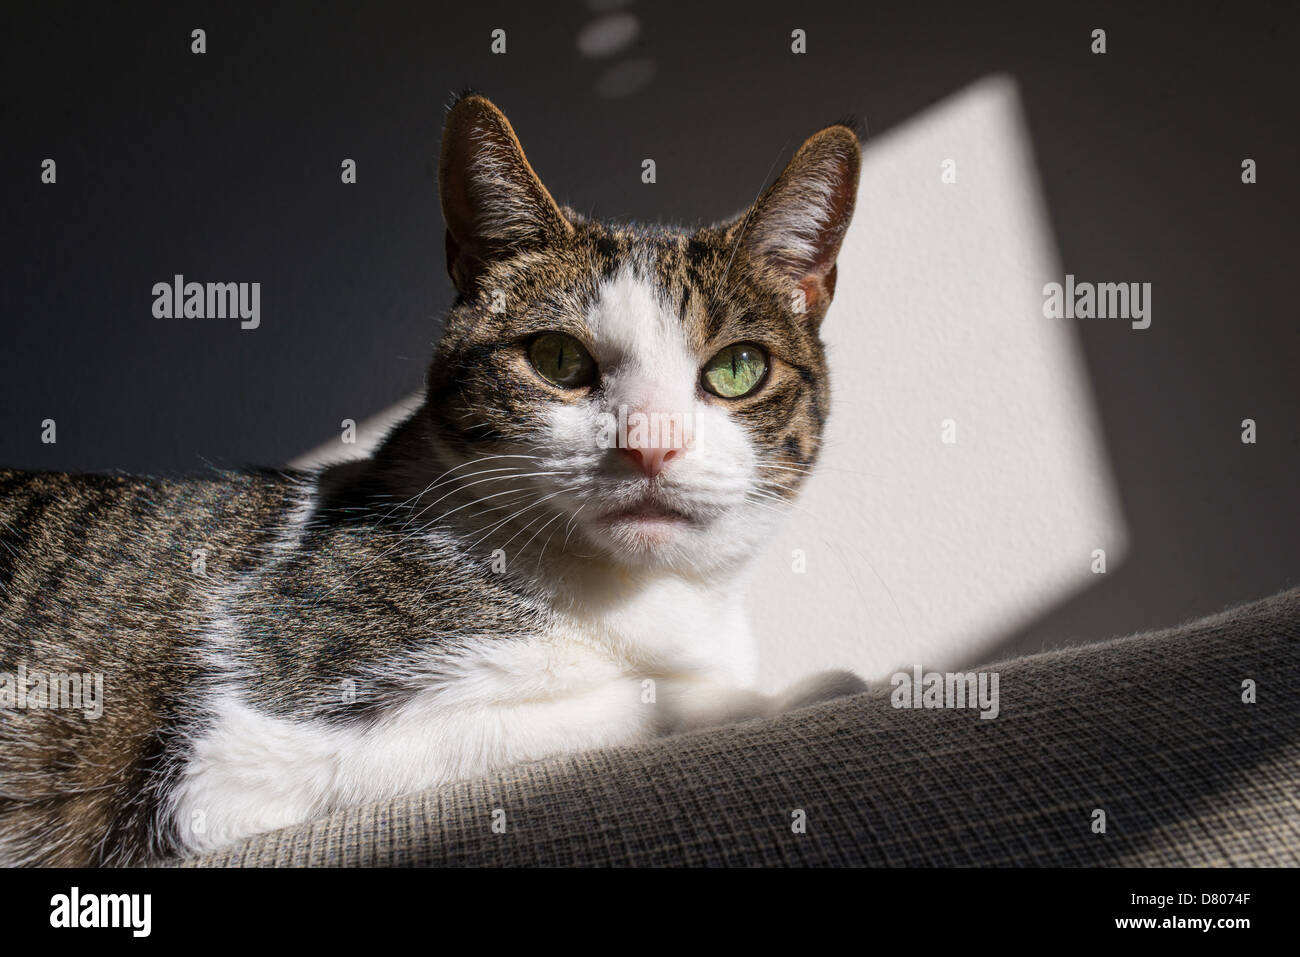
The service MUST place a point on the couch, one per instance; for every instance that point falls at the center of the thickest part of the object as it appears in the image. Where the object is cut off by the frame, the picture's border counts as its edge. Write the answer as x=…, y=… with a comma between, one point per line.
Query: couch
x=1152, y=729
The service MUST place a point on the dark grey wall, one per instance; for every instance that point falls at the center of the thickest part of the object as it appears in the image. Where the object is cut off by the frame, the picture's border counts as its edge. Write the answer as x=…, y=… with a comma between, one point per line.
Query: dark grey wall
x=226, y=167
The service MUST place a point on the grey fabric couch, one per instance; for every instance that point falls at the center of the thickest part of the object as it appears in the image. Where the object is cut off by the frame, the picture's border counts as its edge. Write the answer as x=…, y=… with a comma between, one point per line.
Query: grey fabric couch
x=1150, y=729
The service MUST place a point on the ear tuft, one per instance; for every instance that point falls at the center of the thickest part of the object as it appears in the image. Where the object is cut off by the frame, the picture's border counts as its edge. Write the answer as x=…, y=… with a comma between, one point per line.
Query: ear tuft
x=796, y=227
x=492, y=201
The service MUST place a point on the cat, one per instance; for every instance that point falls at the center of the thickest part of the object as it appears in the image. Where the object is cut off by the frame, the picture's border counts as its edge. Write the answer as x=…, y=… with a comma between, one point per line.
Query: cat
x=522, y=568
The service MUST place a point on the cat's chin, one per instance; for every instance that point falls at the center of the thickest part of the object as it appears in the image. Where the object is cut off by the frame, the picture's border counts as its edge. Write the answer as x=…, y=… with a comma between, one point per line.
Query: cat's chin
x=644, y=529
x=647, y=532
x=643, y=536
x=655, y=543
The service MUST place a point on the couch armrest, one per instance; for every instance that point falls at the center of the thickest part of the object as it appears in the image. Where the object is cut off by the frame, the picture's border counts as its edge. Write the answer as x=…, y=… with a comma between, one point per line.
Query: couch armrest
x=1152, y=729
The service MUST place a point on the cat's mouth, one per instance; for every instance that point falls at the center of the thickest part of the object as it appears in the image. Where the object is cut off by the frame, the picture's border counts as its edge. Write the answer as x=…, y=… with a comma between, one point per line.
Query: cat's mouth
x=644, y=513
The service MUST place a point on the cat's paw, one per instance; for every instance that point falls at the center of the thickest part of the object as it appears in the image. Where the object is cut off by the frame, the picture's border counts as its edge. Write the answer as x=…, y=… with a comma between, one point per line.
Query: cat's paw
x=822, y=686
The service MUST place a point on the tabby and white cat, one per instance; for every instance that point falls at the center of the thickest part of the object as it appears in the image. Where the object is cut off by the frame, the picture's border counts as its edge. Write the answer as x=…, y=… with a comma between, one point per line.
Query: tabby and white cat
x=495, y=584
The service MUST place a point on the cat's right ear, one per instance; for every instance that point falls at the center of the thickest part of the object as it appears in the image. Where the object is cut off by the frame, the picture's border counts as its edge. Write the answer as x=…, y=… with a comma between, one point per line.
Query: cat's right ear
x=492, y=202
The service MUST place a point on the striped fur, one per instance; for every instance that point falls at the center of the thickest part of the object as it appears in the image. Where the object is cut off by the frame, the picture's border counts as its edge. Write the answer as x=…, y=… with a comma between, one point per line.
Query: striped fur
x=468, y=596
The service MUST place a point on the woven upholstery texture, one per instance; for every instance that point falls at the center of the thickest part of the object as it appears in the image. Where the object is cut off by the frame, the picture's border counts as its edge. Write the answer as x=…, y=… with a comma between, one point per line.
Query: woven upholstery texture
x=1151, y=729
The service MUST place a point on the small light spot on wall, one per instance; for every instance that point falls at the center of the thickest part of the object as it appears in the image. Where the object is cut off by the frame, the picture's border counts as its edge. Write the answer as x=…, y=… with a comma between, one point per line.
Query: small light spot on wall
x=626, y=78
x=608, y=35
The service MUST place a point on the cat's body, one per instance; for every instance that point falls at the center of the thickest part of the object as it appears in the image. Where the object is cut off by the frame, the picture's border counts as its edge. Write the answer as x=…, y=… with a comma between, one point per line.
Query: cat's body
x=492, y=586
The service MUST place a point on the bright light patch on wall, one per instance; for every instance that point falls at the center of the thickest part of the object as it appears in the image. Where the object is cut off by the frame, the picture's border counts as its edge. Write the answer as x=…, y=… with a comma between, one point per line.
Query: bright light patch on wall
x=365, y=435
x=964, y=488
x=965, y=485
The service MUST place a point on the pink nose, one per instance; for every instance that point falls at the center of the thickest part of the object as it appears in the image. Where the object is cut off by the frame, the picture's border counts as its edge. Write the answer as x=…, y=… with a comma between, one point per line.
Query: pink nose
x=652, y=461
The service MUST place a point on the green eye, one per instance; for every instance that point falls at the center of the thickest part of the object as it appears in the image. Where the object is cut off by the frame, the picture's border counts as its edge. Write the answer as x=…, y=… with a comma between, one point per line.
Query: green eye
x=562, y=360
x=735, y=371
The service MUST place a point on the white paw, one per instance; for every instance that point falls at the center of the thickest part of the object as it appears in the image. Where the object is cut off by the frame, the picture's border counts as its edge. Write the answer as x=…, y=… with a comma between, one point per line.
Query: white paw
x=823, y=686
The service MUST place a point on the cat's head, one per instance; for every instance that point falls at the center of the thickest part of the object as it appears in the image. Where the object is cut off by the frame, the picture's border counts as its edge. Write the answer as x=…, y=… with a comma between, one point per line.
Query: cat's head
x=651, y=394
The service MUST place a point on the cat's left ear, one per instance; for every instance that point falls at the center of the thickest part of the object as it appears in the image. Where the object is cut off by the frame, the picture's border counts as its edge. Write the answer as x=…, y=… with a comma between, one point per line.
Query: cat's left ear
x=795, y=229
x=492, y=201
